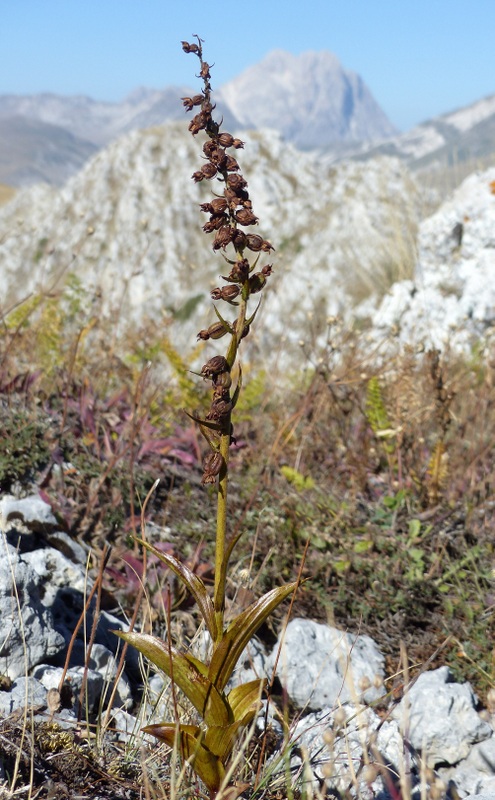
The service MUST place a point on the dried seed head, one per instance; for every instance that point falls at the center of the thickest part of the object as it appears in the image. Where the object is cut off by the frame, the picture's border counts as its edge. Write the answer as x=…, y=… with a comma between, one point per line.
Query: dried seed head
x=239, y=239
x=246, y=217
x=228, y=293
x=215, y=331
x=205, y=70
x=220, y=410
x=209, y=147
x=189, y=102
x=231, y=164
x=236, y=182
x=256, y=282
x=198, y=123
x=214, y=367
x=222, y=382
x=239, y=272
x=209, y=170
x=215, y=222
x=226, y=139
x=218, y=157
x=190, y=48
x=254, y=242
x=223, y=237
x=218, y=205
x=212, y=466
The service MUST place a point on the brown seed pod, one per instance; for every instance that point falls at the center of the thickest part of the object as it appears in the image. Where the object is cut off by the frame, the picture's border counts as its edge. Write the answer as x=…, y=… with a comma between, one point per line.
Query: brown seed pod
x=231, y=164
x=215, y=222
x=236, y=182
x=190, y=48
x=239, y=239
x=254, y=242
x=209, y=170
x=246, y=217
x=223, y=237
x=215, y=331
x=214, y=367
x=220, y=409
x=212, y=466
x=228, y=293
x=226, y=139
x=256, y=282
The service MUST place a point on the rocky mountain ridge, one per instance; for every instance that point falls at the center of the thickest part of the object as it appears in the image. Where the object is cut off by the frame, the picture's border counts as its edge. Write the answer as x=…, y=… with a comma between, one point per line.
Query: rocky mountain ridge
x=310, y=99
x=465, y=134
x=129, y=226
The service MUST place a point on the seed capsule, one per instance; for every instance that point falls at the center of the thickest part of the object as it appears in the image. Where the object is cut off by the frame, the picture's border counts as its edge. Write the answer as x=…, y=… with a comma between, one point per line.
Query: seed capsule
x=246, y=217
x=215, y=331
x=212, y=466
x=214, y=367
x=256, y=282
x=190, y=48
x=228, y=293
x=223, y=237
x=209, y=170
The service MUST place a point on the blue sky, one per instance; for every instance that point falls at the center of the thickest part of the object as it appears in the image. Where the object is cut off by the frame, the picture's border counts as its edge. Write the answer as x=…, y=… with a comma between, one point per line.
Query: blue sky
x=419, y=57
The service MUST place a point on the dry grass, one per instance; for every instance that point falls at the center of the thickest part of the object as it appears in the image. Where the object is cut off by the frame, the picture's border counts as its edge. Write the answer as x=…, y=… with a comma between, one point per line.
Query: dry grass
x=6, y=193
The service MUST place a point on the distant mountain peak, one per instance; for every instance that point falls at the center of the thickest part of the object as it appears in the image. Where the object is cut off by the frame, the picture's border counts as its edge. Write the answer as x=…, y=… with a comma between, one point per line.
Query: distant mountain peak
x=311, y=98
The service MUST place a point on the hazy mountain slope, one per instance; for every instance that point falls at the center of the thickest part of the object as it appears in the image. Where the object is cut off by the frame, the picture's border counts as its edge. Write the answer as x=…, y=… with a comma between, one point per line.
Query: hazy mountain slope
x=311, y=99
x=33, y=152
x=129, y=225
x=462, y=135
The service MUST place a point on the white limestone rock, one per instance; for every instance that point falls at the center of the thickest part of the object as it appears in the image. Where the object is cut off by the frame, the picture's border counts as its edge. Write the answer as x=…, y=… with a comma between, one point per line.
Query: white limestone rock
x=27, y=633
x=439, y=718
x=320, y=665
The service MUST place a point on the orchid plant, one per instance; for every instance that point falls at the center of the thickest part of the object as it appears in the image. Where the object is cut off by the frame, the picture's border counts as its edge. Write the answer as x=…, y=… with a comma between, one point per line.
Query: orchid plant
x=208, y=746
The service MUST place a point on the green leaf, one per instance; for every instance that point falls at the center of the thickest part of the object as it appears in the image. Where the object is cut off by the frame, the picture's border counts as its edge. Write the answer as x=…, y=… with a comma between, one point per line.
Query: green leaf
x=206, y=764
x=414, y=528
x=229, y=649
x=193, y=583
x=245, y=700
x=187, y=672
x=363, y=546
x=221, y=739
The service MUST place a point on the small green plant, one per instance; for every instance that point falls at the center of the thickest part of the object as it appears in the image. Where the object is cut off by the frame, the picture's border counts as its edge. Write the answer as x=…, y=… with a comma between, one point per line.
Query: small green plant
x=208, y=746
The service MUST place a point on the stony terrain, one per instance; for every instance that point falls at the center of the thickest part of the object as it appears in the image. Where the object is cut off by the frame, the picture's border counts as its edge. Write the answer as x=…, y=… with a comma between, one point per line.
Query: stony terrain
x=129, y=226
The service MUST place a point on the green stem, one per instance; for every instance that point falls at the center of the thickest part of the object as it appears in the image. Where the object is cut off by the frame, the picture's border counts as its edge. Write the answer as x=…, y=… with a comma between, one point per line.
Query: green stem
x=221, y=535
x=220, y=566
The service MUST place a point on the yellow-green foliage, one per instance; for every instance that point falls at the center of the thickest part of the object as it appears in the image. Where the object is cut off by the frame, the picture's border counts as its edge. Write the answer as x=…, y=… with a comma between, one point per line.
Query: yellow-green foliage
x=297, y=479
x=252, y=396
x=186, y=393
x=376, y=413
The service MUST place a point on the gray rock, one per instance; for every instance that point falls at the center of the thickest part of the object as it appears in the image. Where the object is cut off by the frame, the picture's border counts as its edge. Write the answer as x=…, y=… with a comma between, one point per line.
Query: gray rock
x=50, y=677
x=476, y=773
x=32, y=511
x=27, y=632
x=320, y=665
x=329, y=746
x=103, y=661
x=439, y=718
x=452, y=299
x=24, y=693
